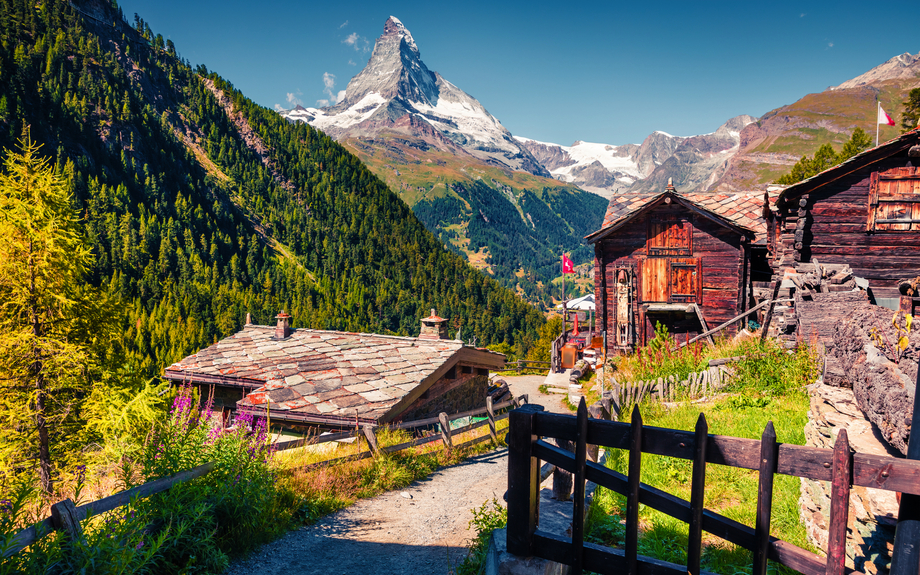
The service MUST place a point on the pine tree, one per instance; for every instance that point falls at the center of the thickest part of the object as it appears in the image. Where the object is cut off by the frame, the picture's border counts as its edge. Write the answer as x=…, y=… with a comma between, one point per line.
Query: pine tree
x=46, y=315
x=910, y=118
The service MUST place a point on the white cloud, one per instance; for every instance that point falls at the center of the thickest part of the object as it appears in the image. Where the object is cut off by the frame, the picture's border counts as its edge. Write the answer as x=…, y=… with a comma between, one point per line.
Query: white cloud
x=279, y=108
x=802, y=15
x=359, y=43
x=830, y=44
x=328, y=89
x=345, y=23
x=352, y=63
x=293, y=99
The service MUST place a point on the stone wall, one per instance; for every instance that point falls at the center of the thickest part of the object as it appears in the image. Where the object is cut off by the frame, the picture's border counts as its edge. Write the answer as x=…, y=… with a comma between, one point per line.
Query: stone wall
x=465, y=392
x=873, y=512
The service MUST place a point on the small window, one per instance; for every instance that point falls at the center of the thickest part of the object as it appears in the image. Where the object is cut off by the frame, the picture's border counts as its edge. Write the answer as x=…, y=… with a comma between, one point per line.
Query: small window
x=894, y=200
x=466, y=369
x=668, y=235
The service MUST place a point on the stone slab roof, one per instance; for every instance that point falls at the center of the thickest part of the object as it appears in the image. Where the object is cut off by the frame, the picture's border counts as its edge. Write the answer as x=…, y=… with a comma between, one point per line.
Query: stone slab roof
x=743, y=209
x=328, y=374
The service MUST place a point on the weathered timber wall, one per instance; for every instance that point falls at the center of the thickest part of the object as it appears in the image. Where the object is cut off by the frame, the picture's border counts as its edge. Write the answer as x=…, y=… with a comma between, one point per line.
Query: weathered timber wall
x=466, y=392
x=724, y=264
x=833, y=231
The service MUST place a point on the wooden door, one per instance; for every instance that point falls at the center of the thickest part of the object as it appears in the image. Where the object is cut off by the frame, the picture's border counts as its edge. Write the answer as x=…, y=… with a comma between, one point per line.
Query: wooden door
x=684, y=280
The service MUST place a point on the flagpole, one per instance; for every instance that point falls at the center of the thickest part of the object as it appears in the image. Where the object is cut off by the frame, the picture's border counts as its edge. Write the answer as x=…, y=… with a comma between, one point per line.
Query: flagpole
x=563, y=291
x=878, y=106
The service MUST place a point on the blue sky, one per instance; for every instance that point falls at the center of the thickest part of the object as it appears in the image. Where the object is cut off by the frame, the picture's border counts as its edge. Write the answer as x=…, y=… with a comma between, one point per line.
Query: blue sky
x=553, y=71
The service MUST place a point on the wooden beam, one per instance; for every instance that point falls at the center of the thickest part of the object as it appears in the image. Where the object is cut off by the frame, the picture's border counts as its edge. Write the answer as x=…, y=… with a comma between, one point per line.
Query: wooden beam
x=731, y=321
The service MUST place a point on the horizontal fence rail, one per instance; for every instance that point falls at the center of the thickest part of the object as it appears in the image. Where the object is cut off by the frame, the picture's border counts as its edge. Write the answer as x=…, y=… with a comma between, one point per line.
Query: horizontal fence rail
x=444, y=433
x=65, y=515
x=68, y=517
x=843, y=468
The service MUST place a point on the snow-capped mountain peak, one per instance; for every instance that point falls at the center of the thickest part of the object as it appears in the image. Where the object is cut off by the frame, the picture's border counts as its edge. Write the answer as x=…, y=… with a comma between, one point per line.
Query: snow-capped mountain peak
x=396, y=92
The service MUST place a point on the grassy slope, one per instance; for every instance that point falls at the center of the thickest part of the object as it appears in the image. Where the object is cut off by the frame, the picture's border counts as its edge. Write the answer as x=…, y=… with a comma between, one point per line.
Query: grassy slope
x=768, y=387
x=785, y=134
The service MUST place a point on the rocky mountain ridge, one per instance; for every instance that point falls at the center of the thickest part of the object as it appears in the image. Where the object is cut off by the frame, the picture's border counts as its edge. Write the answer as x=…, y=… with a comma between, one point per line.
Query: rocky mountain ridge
x=694, y=162
x=903, y=65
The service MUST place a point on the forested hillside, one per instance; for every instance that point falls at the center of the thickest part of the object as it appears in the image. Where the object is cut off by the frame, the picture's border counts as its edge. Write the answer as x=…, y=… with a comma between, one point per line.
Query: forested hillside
x=522, y=250
x=196, y=216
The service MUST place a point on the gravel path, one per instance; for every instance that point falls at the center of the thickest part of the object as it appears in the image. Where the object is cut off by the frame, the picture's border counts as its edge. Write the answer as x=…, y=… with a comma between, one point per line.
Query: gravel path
x=421, y=530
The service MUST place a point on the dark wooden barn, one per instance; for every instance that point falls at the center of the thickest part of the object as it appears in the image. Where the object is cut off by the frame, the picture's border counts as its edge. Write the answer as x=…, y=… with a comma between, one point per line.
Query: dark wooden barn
x=685, y=260
x=864, y=212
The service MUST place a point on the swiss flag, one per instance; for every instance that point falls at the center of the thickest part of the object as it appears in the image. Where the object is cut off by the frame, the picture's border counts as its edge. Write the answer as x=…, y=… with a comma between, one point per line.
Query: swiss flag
x=567, y=266
x=884, y=118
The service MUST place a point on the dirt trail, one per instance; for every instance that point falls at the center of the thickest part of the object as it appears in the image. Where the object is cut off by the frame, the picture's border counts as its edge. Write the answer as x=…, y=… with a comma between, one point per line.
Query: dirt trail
x=423, y=529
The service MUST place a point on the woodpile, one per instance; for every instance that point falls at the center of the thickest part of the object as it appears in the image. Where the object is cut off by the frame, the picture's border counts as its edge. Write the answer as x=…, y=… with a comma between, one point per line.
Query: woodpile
x=867, y=357
x=821, y=294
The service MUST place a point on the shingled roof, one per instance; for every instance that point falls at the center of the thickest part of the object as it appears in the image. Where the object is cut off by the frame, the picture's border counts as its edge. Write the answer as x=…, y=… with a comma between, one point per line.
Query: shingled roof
x=742, y=209
x=330, y=377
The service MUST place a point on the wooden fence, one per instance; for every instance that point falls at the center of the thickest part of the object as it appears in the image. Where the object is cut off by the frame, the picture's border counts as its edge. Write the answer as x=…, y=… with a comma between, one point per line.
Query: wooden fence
x=698, y=384
x=526, y=449
x=66, y=516
x=523, y=364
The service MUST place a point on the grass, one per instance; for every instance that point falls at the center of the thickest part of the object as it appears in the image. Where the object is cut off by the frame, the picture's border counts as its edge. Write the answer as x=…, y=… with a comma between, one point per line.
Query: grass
x=769, y=386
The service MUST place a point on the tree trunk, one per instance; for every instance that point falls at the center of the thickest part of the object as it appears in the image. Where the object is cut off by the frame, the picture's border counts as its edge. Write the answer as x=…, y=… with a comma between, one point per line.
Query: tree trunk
x=39, y=416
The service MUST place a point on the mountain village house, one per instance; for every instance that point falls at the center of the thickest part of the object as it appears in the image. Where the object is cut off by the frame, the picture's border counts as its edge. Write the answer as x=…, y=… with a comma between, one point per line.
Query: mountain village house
x=685, y=260
x=307, y=378
x=864, y=213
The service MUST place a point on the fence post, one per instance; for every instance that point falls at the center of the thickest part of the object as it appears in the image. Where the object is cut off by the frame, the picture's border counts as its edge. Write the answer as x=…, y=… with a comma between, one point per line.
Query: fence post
x=840, y=506
x=445, y=431
x=562, y=479
x=368, y=430
x=768, y=455
x=631, y=552
x=64, y=516
x=906, y=557
x=490, y=412
x=697, y=497
x=578, y=511
x=523, y=481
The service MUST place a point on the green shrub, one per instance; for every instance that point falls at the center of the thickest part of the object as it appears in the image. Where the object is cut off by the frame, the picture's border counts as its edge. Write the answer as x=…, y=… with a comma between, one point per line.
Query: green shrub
x=192, y=528
x=486, y=519
x=662, y=357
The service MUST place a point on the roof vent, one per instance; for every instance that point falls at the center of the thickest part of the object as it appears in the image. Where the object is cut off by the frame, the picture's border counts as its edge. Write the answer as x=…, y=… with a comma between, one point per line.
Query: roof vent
x=283, y=328
x=433, y=327
x=670, y=187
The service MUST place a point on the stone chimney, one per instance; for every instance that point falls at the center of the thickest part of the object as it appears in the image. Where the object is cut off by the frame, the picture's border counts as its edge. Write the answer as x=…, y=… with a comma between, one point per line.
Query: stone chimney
x=433, y=327
x=283, y=328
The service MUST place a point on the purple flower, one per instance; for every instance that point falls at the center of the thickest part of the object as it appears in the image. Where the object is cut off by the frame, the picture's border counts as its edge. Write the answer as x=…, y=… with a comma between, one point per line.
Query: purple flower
x=139, y=545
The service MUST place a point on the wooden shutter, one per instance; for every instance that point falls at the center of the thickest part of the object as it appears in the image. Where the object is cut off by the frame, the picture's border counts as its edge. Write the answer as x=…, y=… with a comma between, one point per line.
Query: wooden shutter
x=669, y=235
x=685, y=280
x=654, y=279
x=894, y=200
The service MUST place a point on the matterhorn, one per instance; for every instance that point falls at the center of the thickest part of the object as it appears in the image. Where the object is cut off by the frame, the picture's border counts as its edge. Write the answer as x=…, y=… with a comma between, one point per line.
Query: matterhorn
x=396, y=92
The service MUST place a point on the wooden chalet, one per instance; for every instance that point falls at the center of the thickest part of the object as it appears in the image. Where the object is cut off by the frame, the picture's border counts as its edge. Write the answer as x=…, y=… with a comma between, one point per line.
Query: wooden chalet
x=685, y=260
x=864, y=213
x=336, y=380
